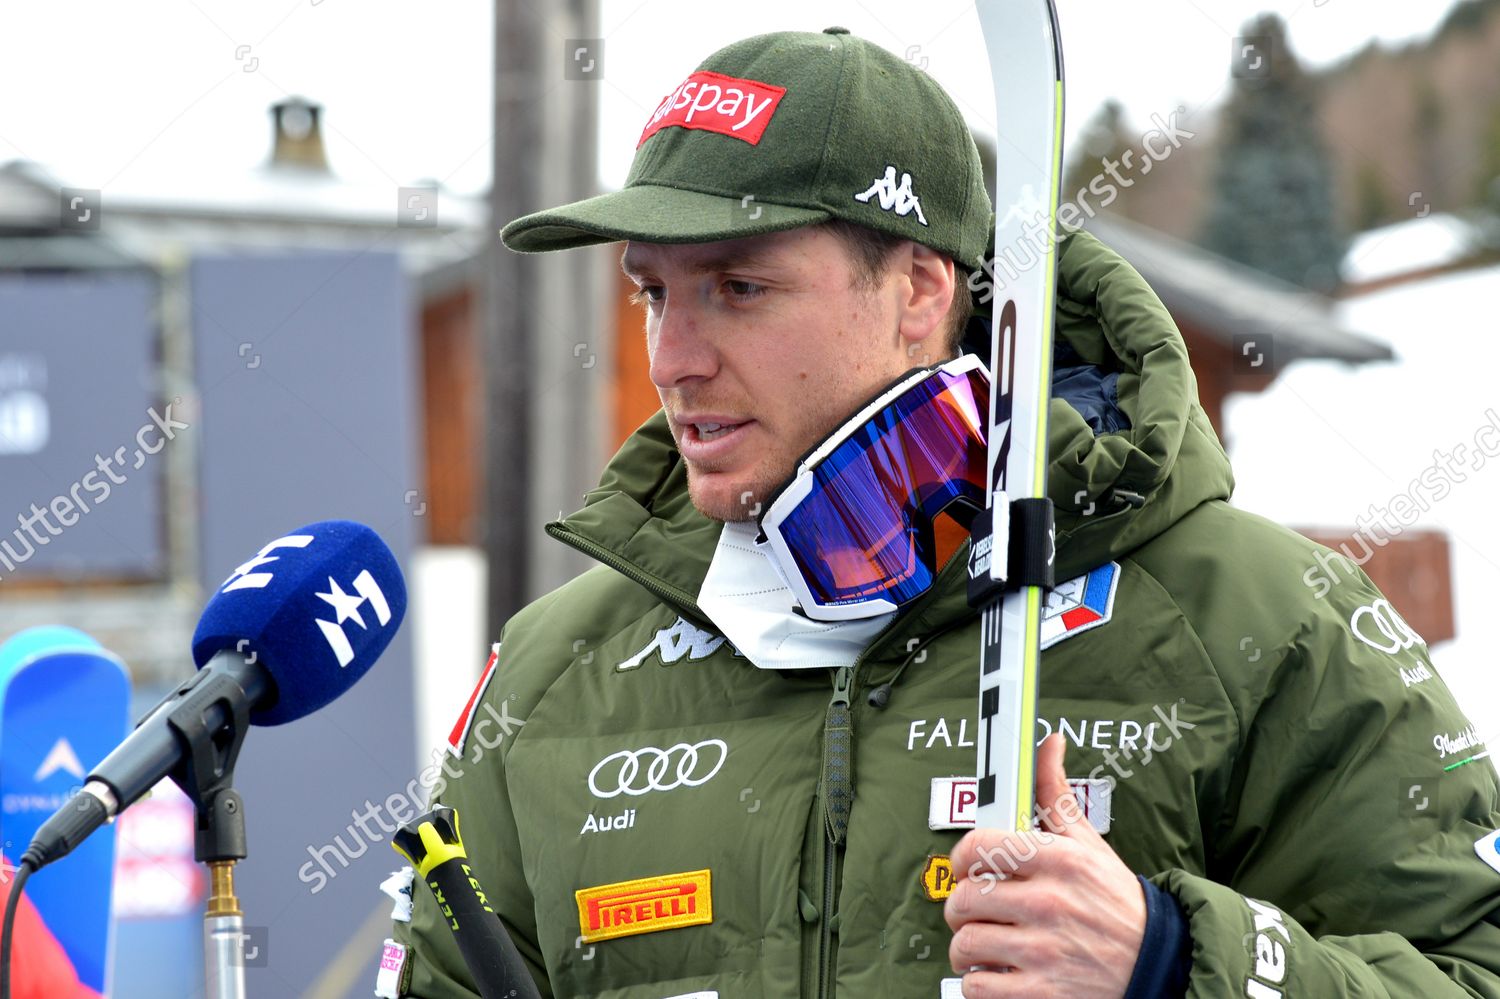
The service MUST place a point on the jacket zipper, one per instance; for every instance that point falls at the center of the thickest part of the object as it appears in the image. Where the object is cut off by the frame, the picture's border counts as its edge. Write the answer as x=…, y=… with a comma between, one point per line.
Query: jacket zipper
x=838, y=796
x=839, y=718
x=659, y=589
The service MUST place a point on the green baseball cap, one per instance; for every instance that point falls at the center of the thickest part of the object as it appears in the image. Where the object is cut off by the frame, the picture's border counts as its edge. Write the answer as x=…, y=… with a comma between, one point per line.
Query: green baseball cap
x=785, y=130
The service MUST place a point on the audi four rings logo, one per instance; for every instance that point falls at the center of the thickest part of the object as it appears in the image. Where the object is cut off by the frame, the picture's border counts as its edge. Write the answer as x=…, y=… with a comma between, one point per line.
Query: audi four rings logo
x=637, y=771
x=1379, y=626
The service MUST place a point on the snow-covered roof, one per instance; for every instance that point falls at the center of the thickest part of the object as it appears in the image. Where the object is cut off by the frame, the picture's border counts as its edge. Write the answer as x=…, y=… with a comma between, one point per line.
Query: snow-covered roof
x=1325, y=442
x=1225, y=298
x=1419, y=244
x=283, y=194
x=196, y=211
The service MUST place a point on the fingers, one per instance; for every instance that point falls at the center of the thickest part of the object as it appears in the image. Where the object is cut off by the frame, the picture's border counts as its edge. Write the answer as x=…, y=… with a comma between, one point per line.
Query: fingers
x=991, y=946
x=992, y=900
x=998, y=985
x=1057, y=803
x=1052, y=782
x=1000, y=854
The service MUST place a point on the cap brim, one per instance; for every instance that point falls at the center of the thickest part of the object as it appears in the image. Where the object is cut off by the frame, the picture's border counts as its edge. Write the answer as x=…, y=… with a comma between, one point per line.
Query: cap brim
x=652, y=214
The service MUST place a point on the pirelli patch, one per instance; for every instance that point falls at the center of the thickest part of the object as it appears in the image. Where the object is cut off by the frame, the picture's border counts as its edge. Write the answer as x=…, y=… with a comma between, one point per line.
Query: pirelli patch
x=937, y=878
x=665, y=902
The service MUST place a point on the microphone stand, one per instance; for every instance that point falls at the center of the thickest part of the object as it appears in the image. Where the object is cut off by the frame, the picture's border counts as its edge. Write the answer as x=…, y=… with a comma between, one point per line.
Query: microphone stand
x=207, y=775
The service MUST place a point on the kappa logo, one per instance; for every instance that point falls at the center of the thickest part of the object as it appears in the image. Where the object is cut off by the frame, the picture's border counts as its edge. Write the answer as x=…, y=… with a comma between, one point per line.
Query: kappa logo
x=1380, y=626
x=893, y=197
x=639, y=771
x=645, y=905
x=681, y=638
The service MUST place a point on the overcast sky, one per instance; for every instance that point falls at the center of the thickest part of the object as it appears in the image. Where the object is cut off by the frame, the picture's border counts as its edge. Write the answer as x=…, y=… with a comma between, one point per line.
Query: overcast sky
x=131, y=95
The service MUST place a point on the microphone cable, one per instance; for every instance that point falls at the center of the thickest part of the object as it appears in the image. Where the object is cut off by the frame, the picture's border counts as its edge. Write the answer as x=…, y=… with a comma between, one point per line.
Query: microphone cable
x=7, y=931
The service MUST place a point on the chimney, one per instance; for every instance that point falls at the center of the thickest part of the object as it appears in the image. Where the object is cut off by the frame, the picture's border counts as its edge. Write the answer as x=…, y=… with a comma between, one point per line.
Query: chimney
x=298, y=136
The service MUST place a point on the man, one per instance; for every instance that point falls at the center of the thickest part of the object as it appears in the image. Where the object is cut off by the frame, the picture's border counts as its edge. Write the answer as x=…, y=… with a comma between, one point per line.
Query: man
x=707, y=794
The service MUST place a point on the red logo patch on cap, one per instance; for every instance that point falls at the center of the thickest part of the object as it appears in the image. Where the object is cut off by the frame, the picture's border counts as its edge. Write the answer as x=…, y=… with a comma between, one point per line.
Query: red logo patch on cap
x=718, y=103
x=460, y=730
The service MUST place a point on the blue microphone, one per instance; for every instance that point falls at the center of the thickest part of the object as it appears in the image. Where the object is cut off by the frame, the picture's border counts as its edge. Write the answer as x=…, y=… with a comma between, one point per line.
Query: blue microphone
x=289, y=631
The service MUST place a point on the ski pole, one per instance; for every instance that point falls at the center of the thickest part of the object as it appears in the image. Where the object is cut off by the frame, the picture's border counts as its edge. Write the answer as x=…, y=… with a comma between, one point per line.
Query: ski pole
x=432, y=844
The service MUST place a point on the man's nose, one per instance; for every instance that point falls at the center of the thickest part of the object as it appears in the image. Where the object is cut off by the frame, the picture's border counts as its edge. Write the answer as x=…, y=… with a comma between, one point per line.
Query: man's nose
x=680, y=349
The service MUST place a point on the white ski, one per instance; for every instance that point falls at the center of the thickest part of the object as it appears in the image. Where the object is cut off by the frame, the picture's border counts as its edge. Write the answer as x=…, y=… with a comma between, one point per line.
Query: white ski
x=1025, y=55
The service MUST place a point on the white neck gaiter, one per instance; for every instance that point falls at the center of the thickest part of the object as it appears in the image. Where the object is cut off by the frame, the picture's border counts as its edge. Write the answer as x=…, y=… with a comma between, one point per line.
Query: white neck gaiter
x=746, y=599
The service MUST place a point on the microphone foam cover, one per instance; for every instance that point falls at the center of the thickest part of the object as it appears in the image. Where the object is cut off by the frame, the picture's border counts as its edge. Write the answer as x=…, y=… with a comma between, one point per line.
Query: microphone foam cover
x=316, y=608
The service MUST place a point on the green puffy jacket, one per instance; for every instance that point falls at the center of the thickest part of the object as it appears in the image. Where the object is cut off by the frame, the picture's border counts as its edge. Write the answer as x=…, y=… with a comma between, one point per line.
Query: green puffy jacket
x=1278, y=757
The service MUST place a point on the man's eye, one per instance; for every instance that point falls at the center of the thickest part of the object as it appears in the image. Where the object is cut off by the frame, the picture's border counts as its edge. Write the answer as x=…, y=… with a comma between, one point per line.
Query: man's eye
x=647, y=294
x=744, y=289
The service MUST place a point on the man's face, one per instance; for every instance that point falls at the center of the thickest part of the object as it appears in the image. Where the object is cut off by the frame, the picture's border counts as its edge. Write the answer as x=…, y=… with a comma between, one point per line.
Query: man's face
x=759, y=348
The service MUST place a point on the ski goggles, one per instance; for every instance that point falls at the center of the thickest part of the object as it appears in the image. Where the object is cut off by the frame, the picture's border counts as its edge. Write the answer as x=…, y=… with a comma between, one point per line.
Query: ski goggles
x=852, y=531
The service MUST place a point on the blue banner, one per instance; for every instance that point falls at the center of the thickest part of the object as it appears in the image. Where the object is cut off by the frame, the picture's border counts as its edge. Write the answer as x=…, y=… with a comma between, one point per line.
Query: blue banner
x=63, y=707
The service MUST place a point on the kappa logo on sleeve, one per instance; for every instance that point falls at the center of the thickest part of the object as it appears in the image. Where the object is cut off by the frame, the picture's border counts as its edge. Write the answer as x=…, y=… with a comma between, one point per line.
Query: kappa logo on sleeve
x=460, y=730
x=1080, y=604
x=646, y=905
x=1488, y=848
x=717, y=103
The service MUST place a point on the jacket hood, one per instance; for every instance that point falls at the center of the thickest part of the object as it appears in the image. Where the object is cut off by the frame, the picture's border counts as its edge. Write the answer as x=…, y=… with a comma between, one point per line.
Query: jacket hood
x=1113, y=491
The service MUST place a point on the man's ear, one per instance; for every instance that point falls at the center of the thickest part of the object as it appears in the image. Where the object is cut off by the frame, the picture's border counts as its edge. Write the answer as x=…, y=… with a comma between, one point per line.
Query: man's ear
x=930, y=286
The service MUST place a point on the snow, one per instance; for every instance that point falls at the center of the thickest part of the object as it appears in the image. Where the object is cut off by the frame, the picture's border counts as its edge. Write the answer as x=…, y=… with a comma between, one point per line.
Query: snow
x=1326, y=441
x=287, y=193
x=1431, y=240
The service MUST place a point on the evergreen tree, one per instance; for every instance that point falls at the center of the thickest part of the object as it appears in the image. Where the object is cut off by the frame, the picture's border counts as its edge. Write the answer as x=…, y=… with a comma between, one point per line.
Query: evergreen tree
x=1105, y=136
x=1271, y=203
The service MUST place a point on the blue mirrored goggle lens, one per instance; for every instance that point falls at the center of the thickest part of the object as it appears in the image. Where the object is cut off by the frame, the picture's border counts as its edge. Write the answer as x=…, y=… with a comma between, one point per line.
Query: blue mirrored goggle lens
x=865, y=528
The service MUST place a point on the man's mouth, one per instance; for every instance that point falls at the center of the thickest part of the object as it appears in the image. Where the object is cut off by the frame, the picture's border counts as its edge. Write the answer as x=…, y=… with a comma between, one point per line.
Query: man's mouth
x=707, y=437
x=713, y=431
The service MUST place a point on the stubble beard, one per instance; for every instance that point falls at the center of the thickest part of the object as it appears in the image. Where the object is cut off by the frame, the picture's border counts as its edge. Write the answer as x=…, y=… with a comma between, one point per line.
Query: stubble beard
x=744, y=502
